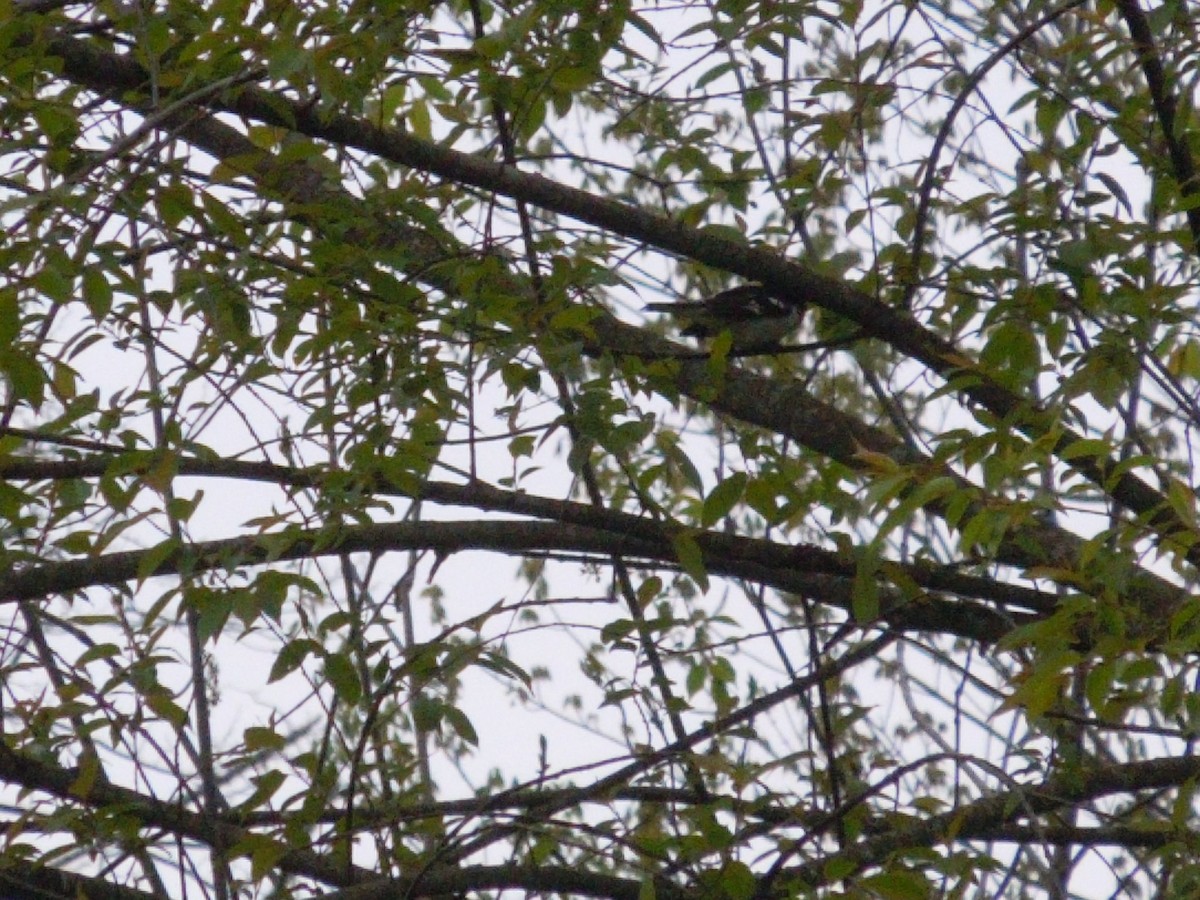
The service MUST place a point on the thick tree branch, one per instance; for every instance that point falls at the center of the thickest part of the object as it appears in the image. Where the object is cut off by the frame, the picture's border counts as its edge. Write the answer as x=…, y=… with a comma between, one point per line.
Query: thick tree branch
x=719, y=546
x=21, y=880
x=796, y=570
x=1166, y=105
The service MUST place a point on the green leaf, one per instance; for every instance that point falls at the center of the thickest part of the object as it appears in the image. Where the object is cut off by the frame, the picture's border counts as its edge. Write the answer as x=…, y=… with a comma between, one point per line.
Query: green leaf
x=286, y=58
x=340, y=672
x=461, y=724
x=99, y=651
x=56, y=281
x=717, y=71
x=1086, y=447
x=265, y=787
x=161, y=704
x=572, y=78
x=864, y=598
x=175, y=203
x=258, y=738
x=86, y=776
x=263, y=851
x=617, y=630
x=97, y=292
x=223, y=221
x=690, y=557
x=418, y=120
x=899, y=885
x=502, y=665
x=156, y=557
x=649, y=31
x=292, y=656
x=25, y=376
x=723, y=498
x=648, y=590
x=426, y=712
x=213, y=610
x=737, y=881
x=10, y=317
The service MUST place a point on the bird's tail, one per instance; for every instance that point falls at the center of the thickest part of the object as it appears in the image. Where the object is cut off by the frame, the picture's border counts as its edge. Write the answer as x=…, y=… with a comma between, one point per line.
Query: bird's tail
x=674, y=308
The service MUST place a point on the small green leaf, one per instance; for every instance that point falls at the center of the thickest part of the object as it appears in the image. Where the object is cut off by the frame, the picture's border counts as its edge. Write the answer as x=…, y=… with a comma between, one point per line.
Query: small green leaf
x=502, y=665
x=55, y=281
x=426, y=712
x=648, y=590
x=86, y=775
x=864, y=600
x=522, y=445
x=291, y=657
x=256, y=737
x=286, y=58
x=461, y=724
x=265, y=786
x=617, y=630
x=1114, y=188
x=263, y=852
x=97, y=293
x=572, y=78
x=99, y=651
x=899, y=885
x=737, y=881
x=1085, y=447
x=223, y=221
x=723, y=498
x=418, y=120
x=713, y=74
x=340, y=672
x=160, y=702
x=213, y=609
x=25, y=376
x=691, y=559
x=175, y=203
x=156, y=557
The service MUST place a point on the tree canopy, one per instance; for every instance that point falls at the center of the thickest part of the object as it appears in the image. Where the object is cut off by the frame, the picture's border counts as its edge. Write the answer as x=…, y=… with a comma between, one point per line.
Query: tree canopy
x=364, y=535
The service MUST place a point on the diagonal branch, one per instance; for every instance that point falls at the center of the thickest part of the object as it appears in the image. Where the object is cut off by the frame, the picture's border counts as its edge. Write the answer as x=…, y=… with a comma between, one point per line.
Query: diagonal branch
x=1166, y=105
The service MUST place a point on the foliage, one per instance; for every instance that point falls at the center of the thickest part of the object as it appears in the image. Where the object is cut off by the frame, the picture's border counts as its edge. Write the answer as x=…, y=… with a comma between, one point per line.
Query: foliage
x=359, y=528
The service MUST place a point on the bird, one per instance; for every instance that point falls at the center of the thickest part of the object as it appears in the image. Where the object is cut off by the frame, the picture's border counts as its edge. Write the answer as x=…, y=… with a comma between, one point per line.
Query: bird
x=755, y=320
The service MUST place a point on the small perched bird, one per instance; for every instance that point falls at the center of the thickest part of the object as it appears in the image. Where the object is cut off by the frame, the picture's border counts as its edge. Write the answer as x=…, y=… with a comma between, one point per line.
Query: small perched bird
x=756, y=321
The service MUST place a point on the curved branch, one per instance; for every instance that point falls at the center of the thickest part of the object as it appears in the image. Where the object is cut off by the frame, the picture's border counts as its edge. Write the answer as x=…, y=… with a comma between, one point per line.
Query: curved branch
x=479, y=495
x=797, y=570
